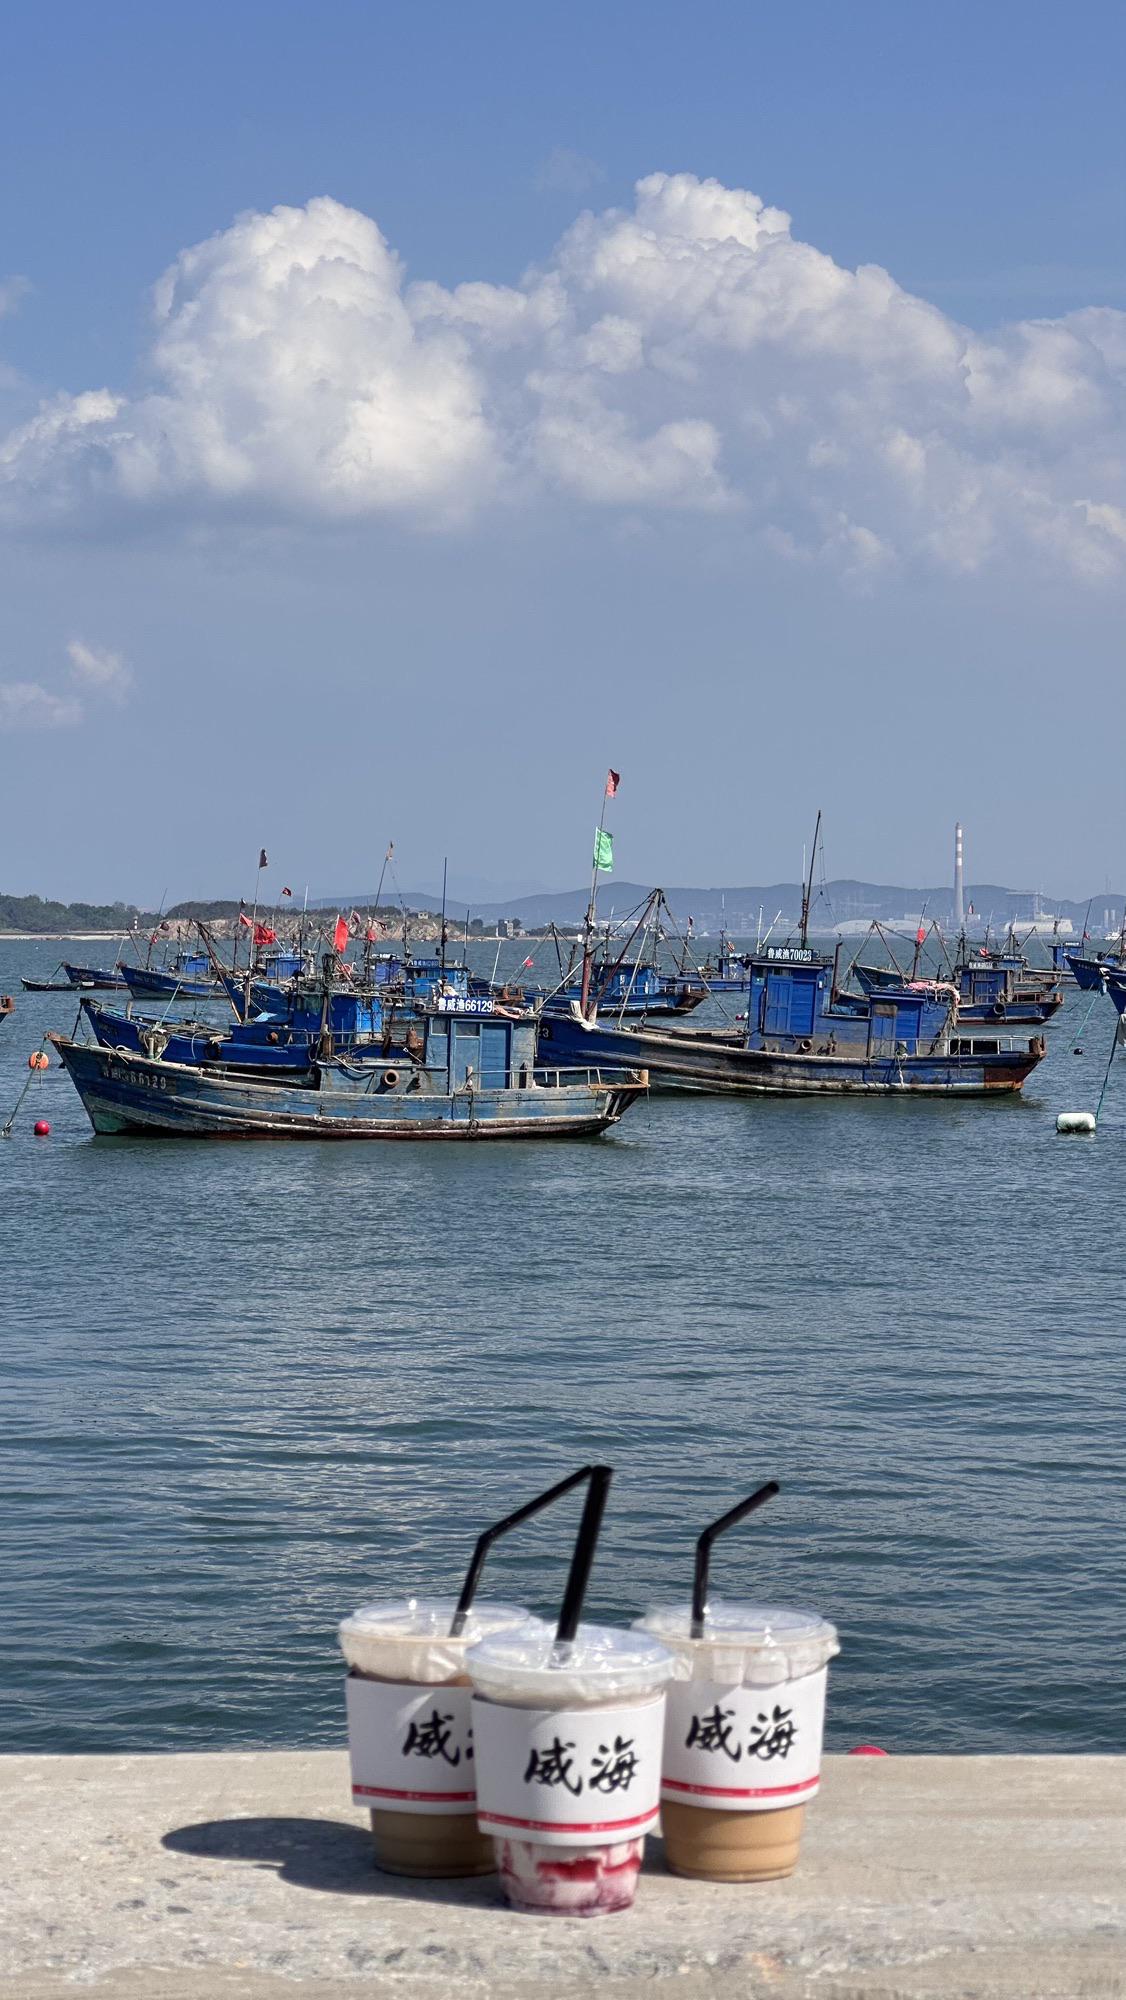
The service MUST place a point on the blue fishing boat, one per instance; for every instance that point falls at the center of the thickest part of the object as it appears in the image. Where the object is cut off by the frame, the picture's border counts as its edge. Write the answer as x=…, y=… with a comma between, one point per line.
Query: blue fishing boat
x=987, y=992
x=387, y=978
x=94, y=976
x=728, y=972
x=78, y=978
x=189, y=977
x=344, y=1024
x=1091, y=969
x=797, y=1040
x=475, y=1077
x=631, y=989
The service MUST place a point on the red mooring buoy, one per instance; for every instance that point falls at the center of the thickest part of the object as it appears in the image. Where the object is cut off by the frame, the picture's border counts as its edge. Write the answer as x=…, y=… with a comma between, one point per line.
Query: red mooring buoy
x=42, y=1129
x=867, y=1750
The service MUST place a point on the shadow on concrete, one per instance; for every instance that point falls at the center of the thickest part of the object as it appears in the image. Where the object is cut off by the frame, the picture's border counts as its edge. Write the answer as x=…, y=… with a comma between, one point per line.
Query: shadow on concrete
x=317, y=1854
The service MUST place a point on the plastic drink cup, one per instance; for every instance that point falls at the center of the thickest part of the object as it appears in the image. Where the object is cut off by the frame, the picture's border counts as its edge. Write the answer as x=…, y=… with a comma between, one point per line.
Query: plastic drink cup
x=410, y=1732
x=744, y=1722
x=569, y=1738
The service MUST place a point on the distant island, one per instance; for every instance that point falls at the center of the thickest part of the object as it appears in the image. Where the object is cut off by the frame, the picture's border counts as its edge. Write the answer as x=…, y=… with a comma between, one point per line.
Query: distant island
x=843, y=906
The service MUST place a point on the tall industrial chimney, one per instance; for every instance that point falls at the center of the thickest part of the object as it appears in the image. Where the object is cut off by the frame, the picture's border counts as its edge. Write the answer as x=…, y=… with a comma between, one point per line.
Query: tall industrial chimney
x=959, y=907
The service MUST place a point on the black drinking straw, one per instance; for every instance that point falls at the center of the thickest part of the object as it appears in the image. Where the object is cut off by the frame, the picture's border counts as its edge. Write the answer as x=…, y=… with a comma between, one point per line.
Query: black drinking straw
x=586, y=1541
x=704, y=1550
x=491, y=1535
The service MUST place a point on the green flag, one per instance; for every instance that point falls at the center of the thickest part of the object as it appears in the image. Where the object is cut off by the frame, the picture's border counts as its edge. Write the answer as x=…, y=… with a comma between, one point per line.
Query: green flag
x=603, y=851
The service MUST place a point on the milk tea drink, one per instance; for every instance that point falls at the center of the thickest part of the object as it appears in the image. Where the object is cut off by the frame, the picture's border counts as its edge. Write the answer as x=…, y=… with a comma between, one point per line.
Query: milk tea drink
x=568, y=1738
x=410, y=1732
x=744, y=1721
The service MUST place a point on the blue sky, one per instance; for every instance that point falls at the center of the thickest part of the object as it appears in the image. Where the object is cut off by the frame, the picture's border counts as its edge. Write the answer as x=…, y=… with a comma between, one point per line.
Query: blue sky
x=349, y=551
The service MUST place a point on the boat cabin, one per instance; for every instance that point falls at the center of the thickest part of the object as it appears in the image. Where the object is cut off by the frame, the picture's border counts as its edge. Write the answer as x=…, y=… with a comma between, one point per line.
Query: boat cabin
x=790, y=1007
x=471, y=1046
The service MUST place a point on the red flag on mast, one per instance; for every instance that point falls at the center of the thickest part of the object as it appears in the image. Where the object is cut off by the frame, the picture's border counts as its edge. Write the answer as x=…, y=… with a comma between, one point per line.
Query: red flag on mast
x=613, y=780
x=340, y=935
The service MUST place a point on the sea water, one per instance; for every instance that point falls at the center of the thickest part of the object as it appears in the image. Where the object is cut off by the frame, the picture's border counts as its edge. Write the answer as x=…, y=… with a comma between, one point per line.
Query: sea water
x=247, y=1386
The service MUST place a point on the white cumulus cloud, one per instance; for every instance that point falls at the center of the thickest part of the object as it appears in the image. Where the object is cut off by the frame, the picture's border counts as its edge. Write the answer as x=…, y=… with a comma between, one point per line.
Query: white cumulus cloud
x=28, y=705
x=684, y=352
x=97, y=668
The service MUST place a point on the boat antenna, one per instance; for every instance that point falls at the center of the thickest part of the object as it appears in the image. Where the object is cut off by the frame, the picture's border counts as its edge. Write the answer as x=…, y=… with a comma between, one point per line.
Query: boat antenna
x=807, y=887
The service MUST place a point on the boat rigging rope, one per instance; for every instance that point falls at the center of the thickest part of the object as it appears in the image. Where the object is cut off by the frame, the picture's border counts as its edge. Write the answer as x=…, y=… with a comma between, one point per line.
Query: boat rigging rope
x=1079, y=1033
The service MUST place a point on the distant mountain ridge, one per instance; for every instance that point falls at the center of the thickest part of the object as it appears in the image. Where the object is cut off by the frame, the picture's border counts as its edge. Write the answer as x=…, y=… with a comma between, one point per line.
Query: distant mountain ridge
x=837, y=902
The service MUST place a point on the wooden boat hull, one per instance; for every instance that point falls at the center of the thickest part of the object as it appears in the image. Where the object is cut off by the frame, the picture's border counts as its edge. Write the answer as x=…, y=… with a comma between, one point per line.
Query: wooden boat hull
x=94, y=978
x=275, y=1047
x=124, y=1093
x=719, y=1061
x=1089, y=973
x=79, y=978
x=145, y=982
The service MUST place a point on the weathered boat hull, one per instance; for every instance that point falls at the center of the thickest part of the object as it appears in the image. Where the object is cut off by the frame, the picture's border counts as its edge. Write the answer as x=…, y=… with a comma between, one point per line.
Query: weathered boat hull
x=1028, y=1003
x=720, y=1062
x=1090, y=973
x=102, y=979
x=125, y=1093
x=80, y=978
x=146, y=982
x=271, y=1048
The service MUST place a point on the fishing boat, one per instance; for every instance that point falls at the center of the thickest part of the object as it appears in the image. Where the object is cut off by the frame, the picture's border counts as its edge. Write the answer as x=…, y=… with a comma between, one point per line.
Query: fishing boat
x=475, y=1077
x=632, y=987
x=345, y=1024
x=796, y=1039
x=1091, y=969
x=7, y=1006
x=79, y=978
x=728, y=972
x=189, y=977
x=989, y=991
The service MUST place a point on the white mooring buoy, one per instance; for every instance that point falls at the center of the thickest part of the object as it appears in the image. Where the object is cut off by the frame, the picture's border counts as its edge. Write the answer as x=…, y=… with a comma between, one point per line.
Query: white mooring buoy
x=1075, y=1121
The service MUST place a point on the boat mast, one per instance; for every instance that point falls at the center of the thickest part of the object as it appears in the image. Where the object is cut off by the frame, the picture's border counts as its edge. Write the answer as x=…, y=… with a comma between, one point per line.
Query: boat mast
x=807, y=887
x=251, y=943
x=608, y=791
x=442, y=937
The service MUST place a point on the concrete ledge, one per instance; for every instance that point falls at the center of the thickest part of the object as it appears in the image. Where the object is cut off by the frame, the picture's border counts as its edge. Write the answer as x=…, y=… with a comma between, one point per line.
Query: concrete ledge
x=248, y=1877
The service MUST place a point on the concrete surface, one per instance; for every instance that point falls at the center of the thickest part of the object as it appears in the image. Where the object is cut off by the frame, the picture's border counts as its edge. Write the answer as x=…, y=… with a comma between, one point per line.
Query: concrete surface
x=249, y=1878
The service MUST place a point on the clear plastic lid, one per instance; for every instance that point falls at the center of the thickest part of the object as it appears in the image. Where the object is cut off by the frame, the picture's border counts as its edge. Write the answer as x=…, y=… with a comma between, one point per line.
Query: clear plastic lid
x=408, y=1638
x=744, y=1645
x=603, y=1664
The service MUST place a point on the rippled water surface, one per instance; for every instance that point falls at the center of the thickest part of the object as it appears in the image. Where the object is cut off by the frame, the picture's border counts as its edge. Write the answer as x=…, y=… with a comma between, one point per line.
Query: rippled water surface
x=246, y=1387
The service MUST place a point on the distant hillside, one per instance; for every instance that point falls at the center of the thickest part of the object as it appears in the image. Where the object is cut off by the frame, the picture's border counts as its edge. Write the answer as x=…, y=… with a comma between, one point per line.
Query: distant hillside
x=838, y=902
x=37, y=915
x=32, y=913
x=739, y=907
